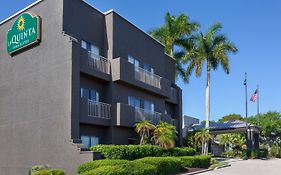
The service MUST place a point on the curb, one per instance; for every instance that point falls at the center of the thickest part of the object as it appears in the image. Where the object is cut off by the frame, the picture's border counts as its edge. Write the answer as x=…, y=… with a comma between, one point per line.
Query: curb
x=207, y=170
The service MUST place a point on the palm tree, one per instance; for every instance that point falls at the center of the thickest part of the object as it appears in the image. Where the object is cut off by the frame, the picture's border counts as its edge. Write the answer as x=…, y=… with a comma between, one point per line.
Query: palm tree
x=144, y=128
x=203, y=137
x=176, y=31
x=165, y=135
x=212, y=49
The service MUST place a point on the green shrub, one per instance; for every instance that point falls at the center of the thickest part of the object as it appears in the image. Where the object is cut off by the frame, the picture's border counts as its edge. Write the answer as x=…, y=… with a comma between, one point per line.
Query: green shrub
x=132, y=152
x=130, y=168
x=49, y=172
x=228, y=154
x=196, y=161
x=263, y=153
x=164, y=165
x=37, y=168
x=99, y=163
x=145, y=166
x=275, y=151
x=179, y=152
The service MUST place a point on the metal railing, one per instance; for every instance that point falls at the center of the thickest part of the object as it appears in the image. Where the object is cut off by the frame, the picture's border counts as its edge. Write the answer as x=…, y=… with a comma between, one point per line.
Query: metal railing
x=147, y=77
x=98, y=63
x=142, y=114
x=98, y=109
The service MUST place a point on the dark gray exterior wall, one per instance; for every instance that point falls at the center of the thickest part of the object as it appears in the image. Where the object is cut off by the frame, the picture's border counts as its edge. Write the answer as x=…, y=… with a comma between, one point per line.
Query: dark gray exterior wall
x=41, y=112
x=35, y=103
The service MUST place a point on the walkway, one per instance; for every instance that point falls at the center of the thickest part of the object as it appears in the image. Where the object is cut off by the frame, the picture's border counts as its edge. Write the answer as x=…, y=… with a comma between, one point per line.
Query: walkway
x=250, y=167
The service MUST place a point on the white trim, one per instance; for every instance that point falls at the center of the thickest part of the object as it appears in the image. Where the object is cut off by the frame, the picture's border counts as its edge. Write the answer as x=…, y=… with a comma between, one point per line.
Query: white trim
x=19, y=12
x=109, y=11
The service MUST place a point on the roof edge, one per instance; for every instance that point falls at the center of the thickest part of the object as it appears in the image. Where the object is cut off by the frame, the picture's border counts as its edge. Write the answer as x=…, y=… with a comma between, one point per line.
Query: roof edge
x=19, y=12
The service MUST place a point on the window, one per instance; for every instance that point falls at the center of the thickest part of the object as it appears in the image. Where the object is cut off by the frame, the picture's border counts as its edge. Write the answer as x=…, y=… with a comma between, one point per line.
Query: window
x=132, y=101
x=89, y=94
x=149, y=106
x=90, y=47
x=89, y=141
x=148, y=68
x=133, y=61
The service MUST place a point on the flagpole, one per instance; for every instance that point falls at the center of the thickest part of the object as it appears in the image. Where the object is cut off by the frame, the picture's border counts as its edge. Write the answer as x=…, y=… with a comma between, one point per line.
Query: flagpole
x=258, y=101
x=246, y=94
x=248, y=134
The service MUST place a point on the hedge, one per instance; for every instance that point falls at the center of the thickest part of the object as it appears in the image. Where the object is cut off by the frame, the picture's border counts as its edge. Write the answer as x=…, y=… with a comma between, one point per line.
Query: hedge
x=49, y=172
x=196, y=161
x=130, y=168
x=99, y=163
x=164, y=165
x=147, y=165
x=132, y=152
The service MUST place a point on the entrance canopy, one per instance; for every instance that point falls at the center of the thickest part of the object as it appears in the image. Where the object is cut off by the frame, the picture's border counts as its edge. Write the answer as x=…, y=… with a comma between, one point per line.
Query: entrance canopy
x=235, y=126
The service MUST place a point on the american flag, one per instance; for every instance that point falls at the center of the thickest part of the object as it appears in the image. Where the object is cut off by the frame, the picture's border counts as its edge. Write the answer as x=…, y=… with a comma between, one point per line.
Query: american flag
x=254, y=96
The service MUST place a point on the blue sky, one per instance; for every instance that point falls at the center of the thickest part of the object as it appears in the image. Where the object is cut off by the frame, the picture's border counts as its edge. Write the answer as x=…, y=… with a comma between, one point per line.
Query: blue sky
x=253, y=25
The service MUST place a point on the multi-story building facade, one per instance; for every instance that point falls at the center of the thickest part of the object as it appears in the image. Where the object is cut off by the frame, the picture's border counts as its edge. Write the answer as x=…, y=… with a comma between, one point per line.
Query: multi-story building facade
x=86, y=79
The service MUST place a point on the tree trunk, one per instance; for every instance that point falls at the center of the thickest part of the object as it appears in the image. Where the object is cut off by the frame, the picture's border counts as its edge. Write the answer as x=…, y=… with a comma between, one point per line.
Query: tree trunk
x=142, y=139
x=203, y=147
x=208, y=96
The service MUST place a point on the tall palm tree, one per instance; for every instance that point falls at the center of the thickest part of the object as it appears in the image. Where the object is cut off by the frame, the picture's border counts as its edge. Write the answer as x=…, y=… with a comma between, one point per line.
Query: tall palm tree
x=144, y=128
x=165, y=135
x=175, y=31
x=203, y=137
x=211, y=49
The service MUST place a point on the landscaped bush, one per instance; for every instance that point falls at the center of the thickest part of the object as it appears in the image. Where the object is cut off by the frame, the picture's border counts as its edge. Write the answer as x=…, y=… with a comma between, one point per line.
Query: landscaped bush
x=130, y=168
x=132, y=152
x=164, y=165
x=179, y=152
x=275, y=151
x=99, y=163
x=45, y=170
x=263, y=153
x=49, y=172
x=195, y=161
x=38, y=168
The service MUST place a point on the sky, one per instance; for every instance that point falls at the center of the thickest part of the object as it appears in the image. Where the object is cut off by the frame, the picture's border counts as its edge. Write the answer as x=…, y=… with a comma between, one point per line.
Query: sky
x=253, y=25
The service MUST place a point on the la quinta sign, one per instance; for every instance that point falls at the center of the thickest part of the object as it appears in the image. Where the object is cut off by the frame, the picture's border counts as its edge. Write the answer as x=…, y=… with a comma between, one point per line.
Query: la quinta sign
x=25, y=32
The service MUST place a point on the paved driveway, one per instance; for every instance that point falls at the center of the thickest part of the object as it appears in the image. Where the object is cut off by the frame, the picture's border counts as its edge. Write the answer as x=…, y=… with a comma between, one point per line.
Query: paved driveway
x=250, y=167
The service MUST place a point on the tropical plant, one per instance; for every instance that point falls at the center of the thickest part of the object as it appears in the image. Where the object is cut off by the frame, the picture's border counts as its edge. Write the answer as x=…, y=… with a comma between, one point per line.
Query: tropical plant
x=231, y=117
x=233, y=142
x=165, y=135
x=176, y=31
x=211, y=49
x=144, y=128
x=203, y=137
x=270, y=124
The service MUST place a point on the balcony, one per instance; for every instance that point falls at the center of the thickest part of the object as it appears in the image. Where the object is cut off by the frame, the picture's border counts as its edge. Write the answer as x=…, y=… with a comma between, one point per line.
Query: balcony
x=128, y=115
x=98, y=109
x=98, y=63
x=142, y=114
x=93, y=112
x=126, y=72
x=95, y=65
x=147, y=77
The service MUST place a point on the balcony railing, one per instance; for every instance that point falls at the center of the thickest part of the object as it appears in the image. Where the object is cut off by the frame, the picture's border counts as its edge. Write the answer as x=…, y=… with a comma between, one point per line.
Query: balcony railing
x=98, y=109
x=142, y=114
x=147, y=77
x=98, y=63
